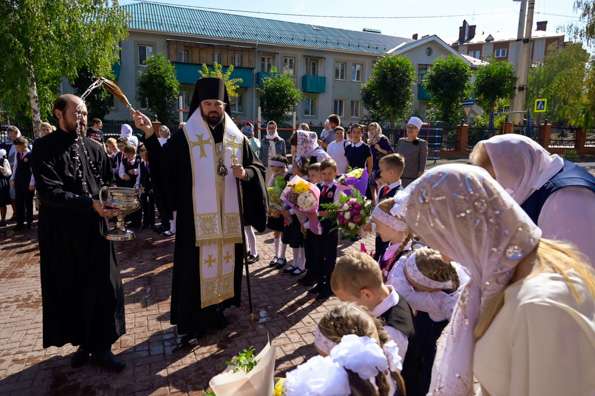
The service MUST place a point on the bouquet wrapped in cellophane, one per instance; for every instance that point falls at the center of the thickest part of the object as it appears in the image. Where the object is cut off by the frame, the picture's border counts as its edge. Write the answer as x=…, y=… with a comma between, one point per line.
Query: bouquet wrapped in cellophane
x=274, y=191
x=354, y=180
x=351, y=212
x=302, y=197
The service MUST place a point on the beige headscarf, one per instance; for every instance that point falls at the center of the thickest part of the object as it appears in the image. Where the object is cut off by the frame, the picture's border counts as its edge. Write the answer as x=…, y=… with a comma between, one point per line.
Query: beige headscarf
x=521, y=165
x=464, y=213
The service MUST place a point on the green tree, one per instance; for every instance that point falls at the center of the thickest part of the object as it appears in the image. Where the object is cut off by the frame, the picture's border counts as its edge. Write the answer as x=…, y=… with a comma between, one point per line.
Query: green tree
x=99, y=101
x=586, y=29
x=447, y=82
x=389, y=91
x=159, y=88
x=231, y=84
x=45, y=40
x=561, y=80
x=493, y=82
x=278, y=95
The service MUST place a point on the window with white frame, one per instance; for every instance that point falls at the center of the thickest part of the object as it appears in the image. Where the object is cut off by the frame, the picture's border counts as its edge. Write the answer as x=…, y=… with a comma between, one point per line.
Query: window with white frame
x=236, y=59
x=236, y=103
x=475, y=53
x=217, y=57
x=355, y=109
x=338, y=107
x=501, y=52
x=357, y=70
x=182, y=55
x=186, y=95
x=266, y=64
x=312, y=66
x=340, y=70
x=144, y=53
x=309, y=105
x=289, y=65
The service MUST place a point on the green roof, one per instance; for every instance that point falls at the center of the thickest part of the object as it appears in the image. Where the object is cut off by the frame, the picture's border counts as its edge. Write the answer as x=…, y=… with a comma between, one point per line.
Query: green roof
x=173, y=19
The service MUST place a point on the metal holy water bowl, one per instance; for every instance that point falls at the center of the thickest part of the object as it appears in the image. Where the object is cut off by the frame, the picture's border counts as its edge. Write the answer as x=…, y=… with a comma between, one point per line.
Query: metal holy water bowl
x=126, y=200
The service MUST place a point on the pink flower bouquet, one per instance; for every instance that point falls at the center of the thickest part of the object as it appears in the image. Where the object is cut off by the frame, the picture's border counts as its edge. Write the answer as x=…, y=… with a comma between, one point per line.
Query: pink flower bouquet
x=351, y=213
x=301, y=197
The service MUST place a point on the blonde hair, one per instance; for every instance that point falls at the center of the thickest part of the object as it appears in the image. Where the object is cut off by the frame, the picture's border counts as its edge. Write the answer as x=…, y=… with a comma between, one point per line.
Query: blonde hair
x=349, y=318
x=354, y=272
x=549, y=256
x=376, y=126
x=47, y=125
x=479, y=156
x=112, y=141
x=430, y=263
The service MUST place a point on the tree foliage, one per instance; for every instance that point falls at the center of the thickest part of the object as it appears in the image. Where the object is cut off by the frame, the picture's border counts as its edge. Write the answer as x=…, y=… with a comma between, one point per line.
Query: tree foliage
x=231, y=84
x=45, y=40
x=584, y=31
x=447, y=82
x=389, y=91
x=493, y=82
x=278, y=95
x=99, y=101
x=159, y=88
x=561, y=80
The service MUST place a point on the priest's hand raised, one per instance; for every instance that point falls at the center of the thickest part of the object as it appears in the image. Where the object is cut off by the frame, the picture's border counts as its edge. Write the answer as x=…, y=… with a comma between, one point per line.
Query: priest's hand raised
x=104, y=211
x=143, y=123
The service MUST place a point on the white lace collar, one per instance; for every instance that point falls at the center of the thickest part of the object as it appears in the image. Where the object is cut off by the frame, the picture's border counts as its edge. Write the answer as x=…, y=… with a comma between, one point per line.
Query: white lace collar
x=390, y=301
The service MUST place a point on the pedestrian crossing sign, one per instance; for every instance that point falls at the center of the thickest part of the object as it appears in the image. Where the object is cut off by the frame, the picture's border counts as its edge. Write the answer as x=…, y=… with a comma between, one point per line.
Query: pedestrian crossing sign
x=540, y=105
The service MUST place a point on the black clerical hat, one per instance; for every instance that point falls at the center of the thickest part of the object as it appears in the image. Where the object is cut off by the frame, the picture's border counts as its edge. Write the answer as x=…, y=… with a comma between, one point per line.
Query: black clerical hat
x=208, y=88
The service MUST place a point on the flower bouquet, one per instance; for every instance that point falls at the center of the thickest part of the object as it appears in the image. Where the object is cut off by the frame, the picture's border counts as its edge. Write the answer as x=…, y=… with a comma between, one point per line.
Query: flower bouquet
x=302, y=197
x=354, y=180
x=274, y=192
x=246, y=374
x=351, y=213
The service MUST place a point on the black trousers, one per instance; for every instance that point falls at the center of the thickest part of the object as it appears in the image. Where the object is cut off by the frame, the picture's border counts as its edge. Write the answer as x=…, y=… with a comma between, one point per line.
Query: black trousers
x=23, y=205
x=322, y=254
x=165, y=215
x=148, y=207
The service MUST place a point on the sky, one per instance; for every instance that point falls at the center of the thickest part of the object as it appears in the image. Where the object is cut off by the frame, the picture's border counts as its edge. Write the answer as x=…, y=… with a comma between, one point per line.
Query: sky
x=490, y=16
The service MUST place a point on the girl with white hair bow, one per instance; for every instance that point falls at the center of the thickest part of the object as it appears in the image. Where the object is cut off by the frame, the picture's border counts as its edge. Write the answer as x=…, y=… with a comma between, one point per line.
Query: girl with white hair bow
x=525, y=323
x=357, y=358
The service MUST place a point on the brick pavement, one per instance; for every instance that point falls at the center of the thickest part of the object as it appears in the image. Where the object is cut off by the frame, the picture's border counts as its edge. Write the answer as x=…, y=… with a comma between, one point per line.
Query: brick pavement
x=154, y=366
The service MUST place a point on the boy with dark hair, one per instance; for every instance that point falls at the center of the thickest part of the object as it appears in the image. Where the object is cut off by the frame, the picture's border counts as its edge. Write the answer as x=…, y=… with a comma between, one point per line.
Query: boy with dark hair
x=391, y=169
x=24, y=183
x=321, y=250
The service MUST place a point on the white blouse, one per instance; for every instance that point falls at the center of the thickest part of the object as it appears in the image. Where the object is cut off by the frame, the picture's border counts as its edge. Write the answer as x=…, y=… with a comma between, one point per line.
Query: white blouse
x=541, y=342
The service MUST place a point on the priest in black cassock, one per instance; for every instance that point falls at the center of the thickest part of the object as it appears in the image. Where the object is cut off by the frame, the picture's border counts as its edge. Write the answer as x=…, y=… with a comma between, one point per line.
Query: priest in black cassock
x=82, y=297
x=203, y=161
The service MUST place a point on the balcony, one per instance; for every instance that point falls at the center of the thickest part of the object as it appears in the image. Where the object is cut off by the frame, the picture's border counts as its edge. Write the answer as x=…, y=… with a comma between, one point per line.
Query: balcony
x=422, y=92
x=313, y=84
x=260, y=76
x=188, y=73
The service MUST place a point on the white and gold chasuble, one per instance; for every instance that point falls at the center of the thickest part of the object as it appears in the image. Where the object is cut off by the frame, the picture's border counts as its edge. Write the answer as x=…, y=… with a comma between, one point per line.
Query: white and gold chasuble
x=215, y=206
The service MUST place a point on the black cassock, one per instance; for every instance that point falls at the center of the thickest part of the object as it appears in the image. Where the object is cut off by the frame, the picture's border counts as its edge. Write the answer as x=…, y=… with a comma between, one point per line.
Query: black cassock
x=83, y=301
x=186, y=311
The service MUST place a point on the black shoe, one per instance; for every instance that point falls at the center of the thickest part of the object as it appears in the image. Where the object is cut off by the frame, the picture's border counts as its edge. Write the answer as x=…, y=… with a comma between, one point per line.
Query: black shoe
x=108, y=361
x=281, y=263
x=79, y=358
x=273, y=262
x=252, y=258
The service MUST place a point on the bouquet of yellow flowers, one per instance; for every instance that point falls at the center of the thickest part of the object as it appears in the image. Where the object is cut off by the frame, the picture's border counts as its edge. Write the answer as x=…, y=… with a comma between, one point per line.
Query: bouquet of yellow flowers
x=302, y=197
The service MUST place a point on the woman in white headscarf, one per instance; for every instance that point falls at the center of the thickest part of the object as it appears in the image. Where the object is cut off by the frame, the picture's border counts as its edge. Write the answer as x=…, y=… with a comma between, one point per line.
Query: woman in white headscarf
x=308, y=150
x=558, y=195
x=525, y=323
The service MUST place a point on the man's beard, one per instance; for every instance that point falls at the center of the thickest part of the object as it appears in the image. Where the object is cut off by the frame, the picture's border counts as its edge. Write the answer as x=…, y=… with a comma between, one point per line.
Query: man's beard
x=75, y=127
x=212, y=118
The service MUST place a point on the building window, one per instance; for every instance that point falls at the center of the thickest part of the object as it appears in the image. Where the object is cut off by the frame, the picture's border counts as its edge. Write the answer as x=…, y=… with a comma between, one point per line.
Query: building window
x=266, y=64
x=356, y=71
x=185, y=98
x=355, y=109
x=289, y=65
x=340, y=70
x=144, y=53
x=236, y=103
x=501, y=52
x=310, y=105
x=236, y=59
x=475, y=53
x=312, y=66
x=422, y=70
x=217, y=57
x=338, y=107
x=182, y=55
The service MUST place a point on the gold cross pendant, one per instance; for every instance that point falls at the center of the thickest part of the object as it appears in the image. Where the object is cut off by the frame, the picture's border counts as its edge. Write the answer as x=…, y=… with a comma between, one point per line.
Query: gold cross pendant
x=234, y=145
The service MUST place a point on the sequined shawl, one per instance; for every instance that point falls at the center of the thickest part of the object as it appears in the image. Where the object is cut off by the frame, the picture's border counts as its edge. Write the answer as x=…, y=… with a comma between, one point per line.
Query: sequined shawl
x=464, y=213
